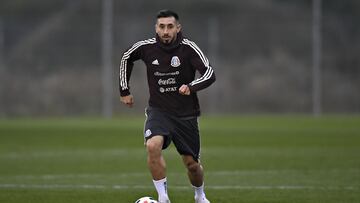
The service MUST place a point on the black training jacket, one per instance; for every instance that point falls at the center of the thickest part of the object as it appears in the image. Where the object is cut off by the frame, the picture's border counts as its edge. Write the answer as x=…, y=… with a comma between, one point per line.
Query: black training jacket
x=169, y=67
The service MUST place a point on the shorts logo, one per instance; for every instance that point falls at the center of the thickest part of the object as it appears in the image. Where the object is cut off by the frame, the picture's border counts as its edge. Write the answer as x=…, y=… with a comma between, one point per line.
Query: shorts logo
x=175, y=61
x=148, y=133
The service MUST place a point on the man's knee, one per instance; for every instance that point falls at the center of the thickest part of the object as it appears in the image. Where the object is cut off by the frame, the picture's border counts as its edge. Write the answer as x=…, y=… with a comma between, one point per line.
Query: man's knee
x=154, y=144
x=192, y=165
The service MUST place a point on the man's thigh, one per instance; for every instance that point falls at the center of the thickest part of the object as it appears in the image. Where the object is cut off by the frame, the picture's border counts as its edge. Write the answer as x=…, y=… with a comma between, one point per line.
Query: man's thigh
x=186, y=137
x=157, y=123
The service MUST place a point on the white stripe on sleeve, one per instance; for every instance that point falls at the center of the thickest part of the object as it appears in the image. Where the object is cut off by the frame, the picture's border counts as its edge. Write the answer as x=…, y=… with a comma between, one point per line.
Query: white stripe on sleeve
x=126, y=56
x=209, y=71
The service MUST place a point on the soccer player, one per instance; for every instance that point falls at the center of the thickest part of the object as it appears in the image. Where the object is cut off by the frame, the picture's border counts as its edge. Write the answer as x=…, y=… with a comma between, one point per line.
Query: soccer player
x=171, y=62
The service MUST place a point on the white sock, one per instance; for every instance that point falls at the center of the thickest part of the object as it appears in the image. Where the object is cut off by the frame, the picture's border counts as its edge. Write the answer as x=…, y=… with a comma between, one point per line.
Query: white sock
x=199, y=191
x=161, y=188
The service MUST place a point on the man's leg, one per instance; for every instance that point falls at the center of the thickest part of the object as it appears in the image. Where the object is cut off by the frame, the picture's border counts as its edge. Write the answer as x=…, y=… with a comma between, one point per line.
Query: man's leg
x=157, y=166
x=195, y=170
x=196, y=177
x=156, y=162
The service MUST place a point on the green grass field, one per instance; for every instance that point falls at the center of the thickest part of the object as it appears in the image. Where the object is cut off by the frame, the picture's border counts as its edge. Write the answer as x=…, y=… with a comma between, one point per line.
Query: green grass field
x=247, y=159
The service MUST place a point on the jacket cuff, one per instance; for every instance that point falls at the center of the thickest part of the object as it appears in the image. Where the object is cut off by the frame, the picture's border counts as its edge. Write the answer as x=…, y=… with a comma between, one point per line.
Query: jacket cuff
x=191, y=88
x=124, y=93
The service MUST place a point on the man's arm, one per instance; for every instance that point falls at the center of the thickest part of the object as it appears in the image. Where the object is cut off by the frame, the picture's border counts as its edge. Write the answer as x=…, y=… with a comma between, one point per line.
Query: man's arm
x=126, y=65
x=201, y=63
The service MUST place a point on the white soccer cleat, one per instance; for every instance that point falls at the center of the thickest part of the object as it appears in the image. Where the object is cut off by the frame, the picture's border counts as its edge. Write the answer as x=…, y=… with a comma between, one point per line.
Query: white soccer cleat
x=201, y=200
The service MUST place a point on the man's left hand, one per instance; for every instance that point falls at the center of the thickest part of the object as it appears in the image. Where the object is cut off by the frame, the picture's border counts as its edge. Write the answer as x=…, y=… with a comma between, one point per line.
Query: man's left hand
x=184, y=90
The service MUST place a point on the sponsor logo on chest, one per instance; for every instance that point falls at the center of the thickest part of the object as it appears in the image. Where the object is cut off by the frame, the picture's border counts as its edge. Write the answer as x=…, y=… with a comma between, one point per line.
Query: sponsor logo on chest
x=169, y=81
x=167, y=89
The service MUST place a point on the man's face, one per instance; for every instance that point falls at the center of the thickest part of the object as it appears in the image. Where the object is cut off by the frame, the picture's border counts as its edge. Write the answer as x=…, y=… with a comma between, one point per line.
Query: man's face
x=167, y=29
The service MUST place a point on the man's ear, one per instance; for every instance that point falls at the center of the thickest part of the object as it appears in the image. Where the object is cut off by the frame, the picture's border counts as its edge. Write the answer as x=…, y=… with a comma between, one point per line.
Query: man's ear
x=178, y=27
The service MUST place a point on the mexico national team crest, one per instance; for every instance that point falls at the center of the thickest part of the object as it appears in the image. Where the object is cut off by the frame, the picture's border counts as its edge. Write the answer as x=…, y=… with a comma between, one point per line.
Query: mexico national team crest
x=175, y=61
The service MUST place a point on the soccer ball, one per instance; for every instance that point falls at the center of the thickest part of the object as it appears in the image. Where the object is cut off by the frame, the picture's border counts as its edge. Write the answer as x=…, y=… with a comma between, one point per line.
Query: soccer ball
x=146, y=200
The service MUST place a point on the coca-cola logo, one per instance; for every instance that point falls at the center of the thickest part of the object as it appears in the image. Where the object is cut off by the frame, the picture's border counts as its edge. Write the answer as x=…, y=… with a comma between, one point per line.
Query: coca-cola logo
x=169, y=81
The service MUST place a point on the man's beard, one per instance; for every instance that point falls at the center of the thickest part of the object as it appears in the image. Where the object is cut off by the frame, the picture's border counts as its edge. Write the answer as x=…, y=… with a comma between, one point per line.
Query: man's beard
x=167, y=39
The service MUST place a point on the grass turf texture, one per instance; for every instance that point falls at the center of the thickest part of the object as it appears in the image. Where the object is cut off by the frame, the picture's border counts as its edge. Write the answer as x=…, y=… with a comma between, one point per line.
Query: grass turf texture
x=246, y=159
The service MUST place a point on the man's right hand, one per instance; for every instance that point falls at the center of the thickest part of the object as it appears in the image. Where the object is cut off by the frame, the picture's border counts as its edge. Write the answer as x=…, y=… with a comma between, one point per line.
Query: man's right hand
x=128, y=100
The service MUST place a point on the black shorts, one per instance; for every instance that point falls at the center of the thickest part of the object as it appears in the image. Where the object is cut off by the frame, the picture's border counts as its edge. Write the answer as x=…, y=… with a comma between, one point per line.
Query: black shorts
x=183, y=132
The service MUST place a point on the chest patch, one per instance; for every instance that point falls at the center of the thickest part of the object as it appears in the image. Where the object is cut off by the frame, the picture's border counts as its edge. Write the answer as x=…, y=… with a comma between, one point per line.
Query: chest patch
x=175, y=61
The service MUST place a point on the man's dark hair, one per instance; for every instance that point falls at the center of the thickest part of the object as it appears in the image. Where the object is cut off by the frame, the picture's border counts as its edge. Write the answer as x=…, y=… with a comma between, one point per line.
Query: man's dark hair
x=167, y=13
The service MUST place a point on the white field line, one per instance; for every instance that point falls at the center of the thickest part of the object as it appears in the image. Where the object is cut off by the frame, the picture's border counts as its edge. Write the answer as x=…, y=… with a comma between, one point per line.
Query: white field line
x=52, y=177
x=214, y=187
x=73, y=176
x=70, y=153
x=146, y=174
